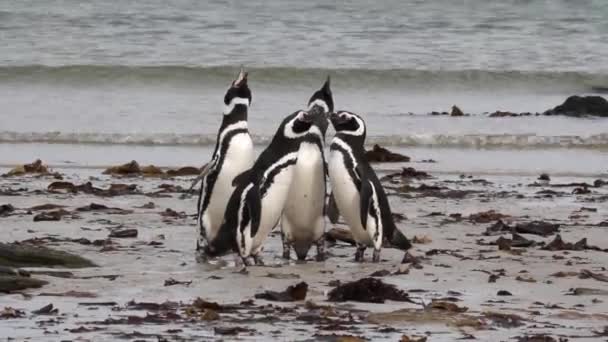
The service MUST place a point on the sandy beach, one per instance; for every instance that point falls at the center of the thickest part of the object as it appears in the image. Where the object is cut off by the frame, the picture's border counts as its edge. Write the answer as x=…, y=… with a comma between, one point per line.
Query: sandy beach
x=464, y=286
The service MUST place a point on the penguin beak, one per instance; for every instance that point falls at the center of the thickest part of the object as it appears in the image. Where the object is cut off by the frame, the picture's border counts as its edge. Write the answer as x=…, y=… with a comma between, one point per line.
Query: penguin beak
x=308, y=117
x=241, y=79
x=336, y=119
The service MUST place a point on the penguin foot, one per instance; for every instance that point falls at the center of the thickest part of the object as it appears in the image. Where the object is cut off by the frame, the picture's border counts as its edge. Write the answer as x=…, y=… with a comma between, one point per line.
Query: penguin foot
x=321, y=250
x=359, y=253
x=257, y=259
x=376, y=256
x=246, y=261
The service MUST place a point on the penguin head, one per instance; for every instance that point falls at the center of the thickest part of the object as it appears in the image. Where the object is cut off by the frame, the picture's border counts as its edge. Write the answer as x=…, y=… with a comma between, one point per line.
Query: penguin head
x=320, y=104
x=348, y=123
x=299, y=124
x=238, y=96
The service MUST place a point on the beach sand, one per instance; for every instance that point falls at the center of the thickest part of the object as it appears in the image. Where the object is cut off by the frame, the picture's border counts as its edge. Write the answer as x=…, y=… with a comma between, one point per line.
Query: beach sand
x=457, y=262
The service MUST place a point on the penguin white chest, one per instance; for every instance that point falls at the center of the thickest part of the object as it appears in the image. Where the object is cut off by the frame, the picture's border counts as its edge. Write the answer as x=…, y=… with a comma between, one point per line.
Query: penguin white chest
x=306, y=197
x=347, y=196
x=238, y=158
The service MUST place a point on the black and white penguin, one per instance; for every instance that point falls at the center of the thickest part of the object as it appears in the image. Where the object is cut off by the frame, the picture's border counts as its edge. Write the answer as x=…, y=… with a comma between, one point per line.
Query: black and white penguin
x=261, y=192
x=358, y=193
x=303, y=222
x=232, y=156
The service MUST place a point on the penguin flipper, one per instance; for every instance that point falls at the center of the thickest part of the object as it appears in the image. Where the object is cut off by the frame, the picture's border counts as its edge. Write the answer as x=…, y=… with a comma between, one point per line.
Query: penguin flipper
x=254, y=206
x=241, y=178
x=366, y=197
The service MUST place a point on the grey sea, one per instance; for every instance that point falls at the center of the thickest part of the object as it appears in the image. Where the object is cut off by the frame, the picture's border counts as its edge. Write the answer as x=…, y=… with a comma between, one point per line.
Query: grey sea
x=145, y=79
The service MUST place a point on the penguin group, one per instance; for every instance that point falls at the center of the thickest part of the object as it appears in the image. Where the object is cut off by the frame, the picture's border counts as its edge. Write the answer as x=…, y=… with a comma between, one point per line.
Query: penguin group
x=242, y=198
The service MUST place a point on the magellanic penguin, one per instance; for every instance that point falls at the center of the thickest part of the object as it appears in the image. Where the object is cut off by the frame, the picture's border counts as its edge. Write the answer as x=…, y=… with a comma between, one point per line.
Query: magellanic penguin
x=303, y=222
x=358, y=193
x=259, y=198
x=232, y=156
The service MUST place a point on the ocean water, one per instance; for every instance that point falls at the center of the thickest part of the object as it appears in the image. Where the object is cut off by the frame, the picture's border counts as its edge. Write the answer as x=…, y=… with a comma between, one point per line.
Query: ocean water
x=90, y=82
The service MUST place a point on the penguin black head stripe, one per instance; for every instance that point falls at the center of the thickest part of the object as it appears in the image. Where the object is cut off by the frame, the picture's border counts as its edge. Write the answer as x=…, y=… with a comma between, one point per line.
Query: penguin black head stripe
x=238, y=94
x=348, y=123
x=323, y=98
x=298, y=125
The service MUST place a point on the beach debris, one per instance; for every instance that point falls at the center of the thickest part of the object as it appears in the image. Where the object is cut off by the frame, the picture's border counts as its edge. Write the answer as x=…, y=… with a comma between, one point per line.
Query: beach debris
x=54, y=215
x=380, y=154
x=150, y=306
x=95, y=207
x=537, y=228
x=405, y=338
x=36, y=167
x=487, y=216
x=340, y=234
x=585, y=291
x=10, y=283
x=423, y=240
x=560, y=245
x=408, y=173
x=88, y=188
x=6, y=209
x=585, y=274
x=538, y=338
x=22, y=255
x=149, y=205
x=172, y=213
x=123, y=233
x=47, y=206
x=46, y=310
x=9, y=313
x=456, y=111
x=133, y=169
x=71, y=293
x=171, y=282
x=232, y=330
x=427, y=315
x=503, y=114
x=580, y=106
x=292, y=293
x=447, y=306
x=504, y=320
x=581, y=191
x=369, y=290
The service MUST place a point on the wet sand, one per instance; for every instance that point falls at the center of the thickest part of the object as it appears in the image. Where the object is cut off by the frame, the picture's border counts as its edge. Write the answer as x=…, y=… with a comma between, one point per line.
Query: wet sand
x=457, y=263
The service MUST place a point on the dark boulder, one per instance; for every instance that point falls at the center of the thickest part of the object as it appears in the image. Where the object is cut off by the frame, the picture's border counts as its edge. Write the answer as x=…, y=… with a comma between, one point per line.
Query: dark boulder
x=581, y=106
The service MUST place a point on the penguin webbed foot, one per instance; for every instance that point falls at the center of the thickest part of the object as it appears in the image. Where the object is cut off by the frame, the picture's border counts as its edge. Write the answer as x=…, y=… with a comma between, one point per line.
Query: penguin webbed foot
x=321, y=256
x=359, y=253
x=286, y=248
x=257, y=260
x=376, y=256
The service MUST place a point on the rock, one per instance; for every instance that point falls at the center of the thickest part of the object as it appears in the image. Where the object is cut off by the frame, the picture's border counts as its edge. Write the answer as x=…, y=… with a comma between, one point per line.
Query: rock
x=581, y=191
x=410, y=172
x=184, y=171
x=382, y=155
x=35, y=167
x=447, y=306
x=370, y=290
x=46, y=310
x=151, y=171
x=537, y=227
x=9, y=283
x=486, y=216
x=586, y=274
x=544, y=177
x=18, y=255
x=291, y=294
x=501, y=114
x=124, y=233
x=536, y=338
x=171, y=282
x=581, y=106
x=499, y=227
x=583, y=291
x=456, y=111
x=503, y=293
x=88, y=188
x=504, y=320
x=598, y=183
x=129, y=169
x=6, y=209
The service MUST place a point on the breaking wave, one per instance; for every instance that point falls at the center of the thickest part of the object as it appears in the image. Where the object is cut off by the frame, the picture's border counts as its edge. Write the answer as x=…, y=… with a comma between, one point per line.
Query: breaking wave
x=377, y=78
x=507, y=141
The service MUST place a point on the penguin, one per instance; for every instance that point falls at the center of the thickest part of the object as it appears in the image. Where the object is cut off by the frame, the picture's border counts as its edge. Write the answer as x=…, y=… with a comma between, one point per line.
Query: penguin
x=232, y=156
x=303, y=222
x=256, y=204
x=358, y=193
